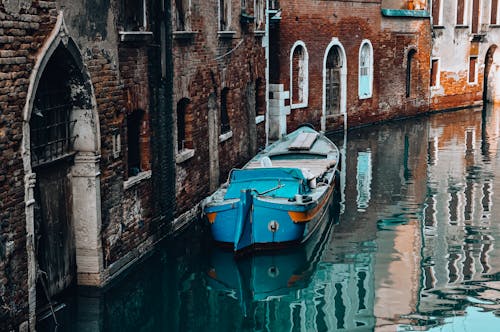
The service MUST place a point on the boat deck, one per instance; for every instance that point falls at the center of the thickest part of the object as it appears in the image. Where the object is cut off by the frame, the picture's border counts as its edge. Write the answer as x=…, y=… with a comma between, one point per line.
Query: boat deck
x=316, y=166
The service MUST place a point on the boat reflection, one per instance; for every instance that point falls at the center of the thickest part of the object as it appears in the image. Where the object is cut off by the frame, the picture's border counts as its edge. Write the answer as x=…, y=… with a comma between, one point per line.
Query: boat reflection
x=266, y=275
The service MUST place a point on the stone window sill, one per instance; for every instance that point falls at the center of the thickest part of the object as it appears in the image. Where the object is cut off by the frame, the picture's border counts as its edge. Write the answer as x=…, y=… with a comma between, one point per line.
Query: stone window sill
x=301, y=105
x=494, y=25
x=259, y=33
x=461, y=26
x=226, y=34
x=224, y=137
x=184, y=155
x=135, y=180
x=259, y=119
x=135, y=36
x=184, y=35
x=438, y=26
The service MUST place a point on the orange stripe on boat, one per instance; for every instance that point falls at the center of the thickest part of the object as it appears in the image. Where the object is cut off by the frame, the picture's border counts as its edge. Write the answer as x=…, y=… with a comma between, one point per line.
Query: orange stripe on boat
x=211, y=217
x=307, y=216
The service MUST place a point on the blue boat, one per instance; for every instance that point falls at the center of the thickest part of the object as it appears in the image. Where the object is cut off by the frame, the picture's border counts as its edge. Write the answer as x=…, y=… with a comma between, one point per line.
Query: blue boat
x=265, y=276
x=278, y=198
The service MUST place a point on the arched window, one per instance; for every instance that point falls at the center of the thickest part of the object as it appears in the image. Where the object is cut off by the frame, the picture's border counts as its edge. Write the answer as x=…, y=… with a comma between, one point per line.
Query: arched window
x=333, y=68
x=182, y=110
x=299, y=75
x=224, y=116
x=365, y=78
x=409, y=71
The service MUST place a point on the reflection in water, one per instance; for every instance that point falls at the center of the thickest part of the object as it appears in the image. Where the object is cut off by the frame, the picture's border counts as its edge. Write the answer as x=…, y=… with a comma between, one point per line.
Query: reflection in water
x=364, y=179
x=414, y=248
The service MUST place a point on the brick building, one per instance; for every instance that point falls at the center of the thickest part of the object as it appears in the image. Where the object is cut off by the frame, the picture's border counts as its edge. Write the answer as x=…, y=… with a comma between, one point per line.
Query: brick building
x=353, y=62
x=81, y=87
x=464, y=57
x=218, y=93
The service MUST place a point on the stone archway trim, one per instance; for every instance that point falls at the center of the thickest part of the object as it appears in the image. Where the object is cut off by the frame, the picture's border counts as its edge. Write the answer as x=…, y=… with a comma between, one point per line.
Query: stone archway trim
x=85, y=177
x=343, y=83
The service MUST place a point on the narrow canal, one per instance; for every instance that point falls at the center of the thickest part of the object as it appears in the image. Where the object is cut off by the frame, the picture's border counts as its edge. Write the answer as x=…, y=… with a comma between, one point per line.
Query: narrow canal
x=415, y=245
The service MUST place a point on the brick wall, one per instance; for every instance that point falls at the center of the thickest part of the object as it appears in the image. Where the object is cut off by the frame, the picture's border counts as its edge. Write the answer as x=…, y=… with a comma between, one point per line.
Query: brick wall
x=352, y=22
x=22, y=31
x=120, y=83
x=204, y=64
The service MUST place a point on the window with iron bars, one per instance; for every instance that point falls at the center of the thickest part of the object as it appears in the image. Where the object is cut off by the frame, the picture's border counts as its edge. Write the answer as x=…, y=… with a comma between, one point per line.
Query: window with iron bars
x=51, y=125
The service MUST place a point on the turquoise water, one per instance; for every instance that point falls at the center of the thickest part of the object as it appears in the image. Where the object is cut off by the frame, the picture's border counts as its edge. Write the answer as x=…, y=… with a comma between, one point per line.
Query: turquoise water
x=411, y=247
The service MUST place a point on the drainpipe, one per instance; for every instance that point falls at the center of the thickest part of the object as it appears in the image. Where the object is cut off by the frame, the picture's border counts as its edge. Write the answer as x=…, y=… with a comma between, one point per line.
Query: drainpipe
x=161, y=85
x=266, y=45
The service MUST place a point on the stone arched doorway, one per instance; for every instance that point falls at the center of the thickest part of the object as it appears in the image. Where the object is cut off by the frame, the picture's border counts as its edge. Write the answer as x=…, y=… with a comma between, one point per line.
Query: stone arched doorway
x=334, y=83
x=491, y=90
x=61, y=164
x=52, y=138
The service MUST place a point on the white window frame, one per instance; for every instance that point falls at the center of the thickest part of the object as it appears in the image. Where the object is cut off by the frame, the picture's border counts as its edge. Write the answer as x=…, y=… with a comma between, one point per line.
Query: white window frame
x=467, y=13
x=491, y=8
x=370, y=70
x=440, y=14
x=187, y=16
x=228, y=18
x=305, y=91
x=343, y=81
x=480, y=14
x=438, y=73
x=259, y=13
x=476, y=70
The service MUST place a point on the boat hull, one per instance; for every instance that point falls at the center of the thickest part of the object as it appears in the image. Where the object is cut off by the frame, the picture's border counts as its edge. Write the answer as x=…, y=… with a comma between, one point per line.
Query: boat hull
x=279, y=196
x=272, y=224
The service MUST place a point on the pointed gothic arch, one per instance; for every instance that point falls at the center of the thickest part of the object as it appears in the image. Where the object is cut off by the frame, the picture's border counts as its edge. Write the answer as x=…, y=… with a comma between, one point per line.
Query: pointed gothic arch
x=75, y=143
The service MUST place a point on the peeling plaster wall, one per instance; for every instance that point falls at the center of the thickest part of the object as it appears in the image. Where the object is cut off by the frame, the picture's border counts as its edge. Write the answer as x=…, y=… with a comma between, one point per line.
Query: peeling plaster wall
x=453, y=46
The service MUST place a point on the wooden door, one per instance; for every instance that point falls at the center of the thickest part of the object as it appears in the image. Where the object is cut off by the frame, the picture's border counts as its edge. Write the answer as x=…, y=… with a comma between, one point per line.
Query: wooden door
x=332, y=84
x=55, y=246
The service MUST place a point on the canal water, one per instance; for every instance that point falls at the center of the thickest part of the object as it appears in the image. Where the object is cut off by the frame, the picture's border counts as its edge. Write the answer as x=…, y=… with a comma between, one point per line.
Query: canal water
x=414, y=245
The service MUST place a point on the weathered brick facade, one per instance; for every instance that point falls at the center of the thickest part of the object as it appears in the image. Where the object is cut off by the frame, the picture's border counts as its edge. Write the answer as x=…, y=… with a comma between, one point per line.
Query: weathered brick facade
x=123, y=222
x=346, y=25
x=211, y=62
x=139, y=135
x=22, y=32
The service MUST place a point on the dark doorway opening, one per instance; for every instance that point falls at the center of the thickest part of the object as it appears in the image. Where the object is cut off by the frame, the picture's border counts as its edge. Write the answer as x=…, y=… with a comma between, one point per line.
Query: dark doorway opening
x=333, y=67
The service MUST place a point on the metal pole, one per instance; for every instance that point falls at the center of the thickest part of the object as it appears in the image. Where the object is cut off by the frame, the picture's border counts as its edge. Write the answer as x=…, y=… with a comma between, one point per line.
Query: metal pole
x=267, y=41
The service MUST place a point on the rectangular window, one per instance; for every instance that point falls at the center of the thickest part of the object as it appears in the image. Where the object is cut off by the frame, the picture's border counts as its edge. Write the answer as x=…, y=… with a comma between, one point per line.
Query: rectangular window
x=134, y=15
x=460, y=12
x=475, y=16
x=436, y=7
x=494, y=12
x=224, y=15
x=260, y=18
x=183, y=15
x=472, y=69
x=434, y=72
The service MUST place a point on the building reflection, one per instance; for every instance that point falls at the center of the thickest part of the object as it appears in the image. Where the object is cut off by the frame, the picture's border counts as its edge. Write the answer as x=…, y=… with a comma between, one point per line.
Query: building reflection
x=458, y=251
x=415, y=244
